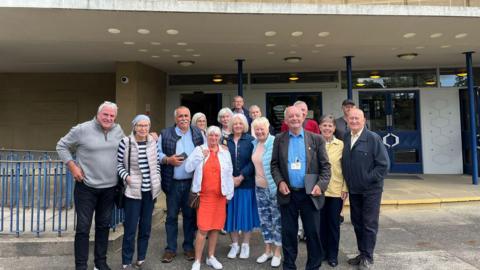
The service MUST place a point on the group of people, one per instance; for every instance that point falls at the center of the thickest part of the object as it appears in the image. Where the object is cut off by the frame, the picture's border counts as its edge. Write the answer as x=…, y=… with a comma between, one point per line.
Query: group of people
x=244, y=176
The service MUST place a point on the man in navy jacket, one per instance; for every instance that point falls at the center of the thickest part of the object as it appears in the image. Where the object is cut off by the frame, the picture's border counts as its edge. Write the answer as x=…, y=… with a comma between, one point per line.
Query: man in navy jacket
x=365, y=163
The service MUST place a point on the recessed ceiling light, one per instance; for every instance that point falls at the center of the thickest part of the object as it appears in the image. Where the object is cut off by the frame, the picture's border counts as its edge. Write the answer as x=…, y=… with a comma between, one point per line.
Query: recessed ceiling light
x=319, y=45
x=172, y=32
x=445, y=46
x=181, y=43
x=189, y=50
x=409, y=35
x=420, y=47
x=114, y=31
x=142, y=50
x=360, y=84
x=297, y=34
x=143, y=31
x=436, y=35
x=155, y=43
x=176, y=55
x=292, y=60
x=324, y=34
x=155, y=56
x=217, y=78
x=270, y=45
x=293, y=77
x=196, y=55
x=315, y=51
x=270, y=33
x=271, y=53
x=165, y=50
x=185, y=63
x=292, y=52
x=461, y=35
x=129, y=43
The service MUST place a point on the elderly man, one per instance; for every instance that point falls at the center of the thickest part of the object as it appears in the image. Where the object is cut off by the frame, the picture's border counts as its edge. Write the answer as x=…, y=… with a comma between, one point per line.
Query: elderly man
x=308, y=124
x=94, y=144
x=255, y=112
x=365, y=163
x=341, y=126
x=175, y=144
x=238, y=104
x=301, y=171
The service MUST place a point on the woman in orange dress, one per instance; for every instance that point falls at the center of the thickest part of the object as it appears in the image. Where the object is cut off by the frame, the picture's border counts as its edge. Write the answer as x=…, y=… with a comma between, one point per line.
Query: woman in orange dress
x=213, y=180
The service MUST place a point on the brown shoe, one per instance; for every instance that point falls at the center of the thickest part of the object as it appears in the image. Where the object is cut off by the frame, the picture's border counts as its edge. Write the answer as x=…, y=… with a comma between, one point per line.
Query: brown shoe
x=168, y=257
x=189, y=255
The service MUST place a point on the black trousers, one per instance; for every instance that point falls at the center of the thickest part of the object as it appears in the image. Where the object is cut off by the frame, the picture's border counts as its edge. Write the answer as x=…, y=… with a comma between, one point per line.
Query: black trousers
x=364, y=212
x=300, y=203
x=87, y=201
x=330, y=227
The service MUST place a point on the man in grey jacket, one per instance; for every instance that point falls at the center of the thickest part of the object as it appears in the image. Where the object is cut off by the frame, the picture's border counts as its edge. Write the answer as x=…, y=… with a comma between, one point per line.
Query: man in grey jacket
x=94, y=144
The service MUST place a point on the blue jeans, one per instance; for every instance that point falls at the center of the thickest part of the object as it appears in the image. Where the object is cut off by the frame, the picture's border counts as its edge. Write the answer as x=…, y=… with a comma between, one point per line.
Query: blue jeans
x=137, y=213
x=177, y=198
x=87, y=201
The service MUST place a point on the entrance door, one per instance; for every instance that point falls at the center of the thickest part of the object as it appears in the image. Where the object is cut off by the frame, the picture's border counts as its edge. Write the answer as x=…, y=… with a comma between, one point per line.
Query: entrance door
x=395, y=117
x=209, y=104
x=277, y=102
x=465, y=122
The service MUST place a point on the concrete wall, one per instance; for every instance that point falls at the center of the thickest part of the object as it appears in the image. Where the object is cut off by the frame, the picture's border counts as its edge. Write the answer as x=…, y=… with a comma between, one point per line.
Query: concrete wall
x=37, y=109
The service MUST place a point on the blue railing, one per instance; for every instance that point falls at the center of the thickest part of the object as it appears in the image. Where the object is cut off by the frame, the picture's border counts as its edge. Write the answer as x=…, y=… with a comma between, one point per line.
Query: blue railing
x=36, y=194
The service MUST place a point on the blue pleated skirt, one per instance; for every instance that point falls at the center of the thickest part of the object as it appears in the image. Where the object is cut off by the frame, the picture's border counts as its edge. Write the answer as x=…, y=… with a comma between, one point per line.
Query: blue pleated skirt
x=242, y=212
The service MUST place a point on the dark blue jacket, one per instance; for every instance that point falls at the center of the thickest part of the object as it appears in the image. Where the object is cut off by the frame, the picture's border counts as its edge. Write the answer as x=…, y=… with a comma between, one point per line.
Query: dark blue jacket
x=366, y=164
x=242, y=159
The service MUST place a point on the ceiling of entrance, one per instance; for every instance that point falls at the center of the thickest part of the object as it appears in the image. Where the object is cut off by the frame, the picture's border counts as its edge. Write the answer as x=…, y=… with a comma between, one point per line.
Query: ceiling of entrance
x=46, y=40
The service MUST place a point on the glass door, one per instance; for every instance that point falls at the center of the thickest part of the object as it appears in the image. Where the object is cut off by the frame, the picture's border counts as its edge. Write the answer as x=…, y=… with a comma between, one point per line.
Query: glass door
x=209, y=104
x=395, y=117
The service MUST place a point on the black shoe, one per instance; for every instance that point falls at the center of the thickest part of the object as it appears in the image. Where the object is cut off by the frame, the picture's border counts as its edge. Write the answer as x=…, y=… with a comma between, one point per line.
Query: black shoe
x=355, y=260
x=332, y=263
x=365, y=264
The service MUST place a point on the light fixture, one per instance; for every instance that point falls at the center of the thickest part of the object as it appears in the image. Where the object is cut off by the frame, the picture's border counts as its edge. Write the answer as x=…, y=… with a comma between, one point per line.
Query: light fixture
x=462, y=73
x=270, y=33
x=113, y=31
x=182, y=43
x=292, y=60
x=461, y=35
x=143, y=31
x=430, y=82
x=324, y=34
x=143, y=50
x=375, y=75
x=436, y=35
x=185, y=63
x=297, y=34
x=129, y=43
x=409, y=35
x=172, y=32
x=293, y=77
x=407, y=56
x=217, y=78
x=360, y=84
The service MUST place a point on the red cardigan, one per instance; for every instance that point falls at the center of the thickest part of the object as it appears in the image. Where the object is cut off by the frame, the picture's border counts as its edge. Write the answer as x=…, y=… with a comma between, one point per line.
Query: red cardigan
x=308, y=125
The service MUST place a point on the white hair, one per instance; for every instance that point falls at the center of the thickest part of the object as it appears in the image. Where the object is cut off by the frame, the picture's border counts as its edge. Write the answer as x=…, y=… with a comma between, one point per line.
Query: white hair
x=222, y=112
x=107, y=104
x=196, y=117
x=214, y=130
x=242, y=118
x=261, y=121
x=180, y=107
x=300, y=102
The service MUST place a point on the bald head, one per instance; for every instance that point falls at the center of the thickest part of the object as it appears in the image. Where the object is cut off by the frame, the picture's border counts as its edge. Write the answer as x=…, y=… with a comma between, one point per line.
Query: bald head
x=294, y=119
x=356, y=120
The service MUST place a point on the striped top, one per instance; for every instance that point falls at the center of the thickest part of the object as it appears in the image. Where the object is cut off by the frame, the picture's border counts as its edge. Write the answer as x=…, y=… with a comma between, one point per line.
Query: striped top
x=142, y=164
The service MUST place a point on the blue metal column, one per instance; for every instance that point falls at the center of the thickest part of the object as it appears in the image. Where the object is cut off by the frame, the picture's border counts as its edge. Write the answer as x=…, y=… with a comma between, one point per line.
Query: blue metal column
x=240, y=76
x=473, y=121
x=349, y=76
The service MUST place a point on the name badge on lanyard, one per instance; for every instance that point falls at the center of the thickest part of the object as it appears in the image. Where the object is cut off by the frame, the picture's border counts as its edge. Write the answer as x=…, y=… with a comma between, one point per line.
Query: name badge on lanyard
x=297, y=165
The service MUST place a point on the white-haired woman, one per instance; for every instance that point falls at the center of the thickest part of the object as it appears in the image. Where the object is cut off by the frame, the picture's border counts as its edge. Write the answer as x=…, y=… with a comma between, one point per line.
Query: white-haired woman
x=223, y=118
x=200, y=120
x=266, y=193
x=242, y=212
x=212, y=178
x=138, y=166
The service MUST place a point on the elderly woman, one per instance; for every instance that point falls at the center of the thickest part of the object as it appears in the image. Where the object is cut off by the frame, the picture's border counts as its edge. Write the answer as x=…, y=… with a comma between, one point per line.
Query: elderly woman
x=335, y=194
x=200, y=120
x=242, y=212
x=138, y=166
x=213, y=180
x=266, y=192
x=224, y=116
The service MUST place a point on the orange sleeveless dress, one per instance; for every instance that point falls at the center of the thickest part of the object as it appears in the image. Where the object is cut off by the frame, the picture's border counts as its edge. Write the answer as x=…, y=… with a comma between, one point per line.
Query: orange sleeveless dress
x=211, y=213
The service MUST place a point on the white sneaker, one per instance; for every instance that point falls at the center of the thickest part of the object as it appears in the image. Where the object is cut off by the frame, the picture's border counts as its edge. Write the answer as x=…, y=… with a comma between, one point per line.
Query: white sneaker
x=196, y=265
x=232, y=254
x=245, y=252
x=265, y=257
x=213, y=262
x=276, y=261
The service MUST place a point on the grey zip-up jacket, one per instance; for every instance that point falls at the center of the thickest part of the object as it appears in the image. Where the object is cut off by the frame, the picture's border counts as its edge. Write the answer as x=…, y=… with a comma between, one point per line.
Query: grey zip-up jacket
x=95, y=152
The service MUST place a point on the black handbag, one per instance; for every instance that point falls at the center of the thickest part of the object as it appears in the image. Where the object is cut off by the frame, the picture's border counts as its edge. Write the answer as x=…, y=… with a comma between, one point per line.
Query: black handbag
x=119, y=196
x=194, y=200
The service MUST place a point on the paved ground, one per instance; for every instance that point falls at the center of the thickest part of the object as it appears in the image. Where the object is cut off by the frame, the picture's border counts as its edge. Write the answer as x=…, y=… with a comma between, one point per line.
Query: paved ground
x=446, y=237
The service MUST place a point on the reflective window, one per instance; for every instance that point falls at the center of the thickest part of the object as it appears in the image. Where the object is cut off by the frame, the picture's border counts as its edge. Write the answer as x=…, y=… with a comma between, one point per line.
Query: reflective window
x=374, y=79
x=406, y=156
x=205, y=79
x=457, y=77
x=298, y=77
x=404, y=111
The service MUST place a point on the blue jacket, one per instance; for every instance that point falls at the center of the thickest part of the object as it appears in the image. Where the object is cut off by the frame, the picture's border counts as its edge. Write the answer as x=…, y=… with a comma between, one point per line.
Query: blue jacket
x=365, y=165
x=267, y=158
x=242, y=159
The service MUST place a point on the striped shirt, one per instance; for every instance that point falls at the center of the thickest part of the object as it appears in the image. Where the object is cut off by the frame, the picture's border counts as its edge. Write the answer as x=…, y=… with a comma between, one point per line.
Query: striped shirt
x=142, y=164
